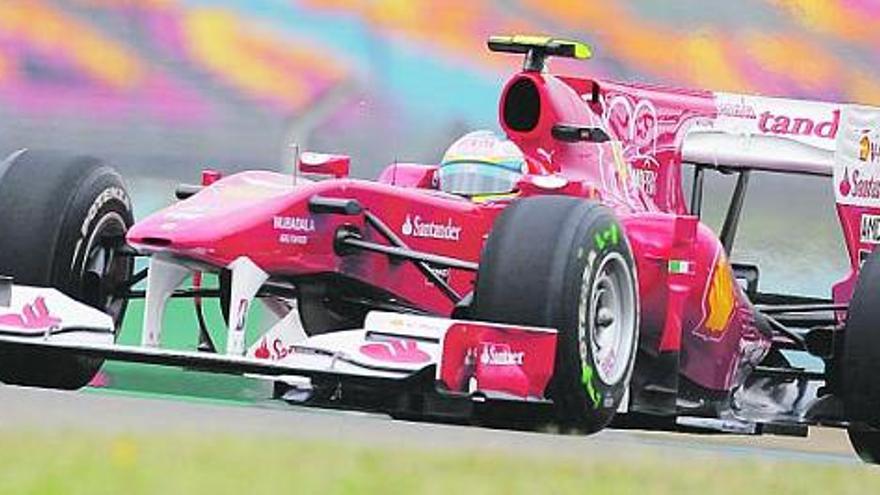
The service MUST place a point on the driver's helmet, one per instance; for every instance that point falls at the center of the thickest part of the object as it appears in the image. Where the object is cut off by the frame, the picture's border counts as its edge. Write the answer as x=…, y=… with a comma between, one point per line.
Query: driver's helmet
x=481, y=163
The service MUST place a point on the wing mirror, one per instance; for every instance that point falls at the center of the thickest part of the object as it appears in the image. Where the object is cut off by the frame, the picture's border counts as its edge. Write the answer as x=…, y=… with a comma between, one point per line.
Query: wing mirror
x=324, y=164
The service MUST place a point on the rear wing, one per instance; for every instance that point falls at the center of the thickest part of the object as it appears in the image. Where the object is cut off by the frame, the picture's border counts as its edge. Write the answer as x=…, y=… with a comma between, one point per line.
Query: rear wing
x=839, y=141
x=767, y=134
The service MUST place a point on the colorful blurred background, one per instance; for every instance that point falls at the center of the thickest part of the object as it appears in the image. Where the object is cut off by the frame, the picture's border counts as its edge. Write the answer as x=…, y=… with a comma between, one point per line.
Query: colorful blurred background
x=162, y=88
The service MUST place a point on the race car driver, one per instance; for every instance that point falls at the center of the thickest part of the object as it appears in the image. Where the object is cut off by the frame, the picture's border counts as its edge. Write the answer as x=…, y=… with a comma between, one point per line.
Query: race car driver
x=480, y=164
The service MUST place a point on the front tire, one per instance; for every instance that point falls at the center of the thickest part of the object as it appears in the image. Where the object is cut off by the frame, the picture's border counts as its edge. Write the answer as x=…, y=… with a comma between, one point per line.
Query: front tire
x=62, y=221
x=565, y=263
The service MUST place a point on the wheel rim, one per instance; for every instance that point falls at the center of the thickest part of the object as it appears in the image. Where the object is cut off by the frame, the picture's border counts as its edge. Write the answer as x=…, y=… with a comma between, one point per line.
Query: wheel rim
x=103, y=271
x=607, y=318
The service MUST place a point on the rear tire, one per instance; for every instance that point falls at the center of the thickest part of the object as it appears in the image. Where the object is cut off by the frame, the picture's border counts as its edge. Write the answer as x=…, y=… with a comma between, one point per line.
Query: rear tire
x=565, y=263
x=866, y=443
x=858, y=361
x=62, y=220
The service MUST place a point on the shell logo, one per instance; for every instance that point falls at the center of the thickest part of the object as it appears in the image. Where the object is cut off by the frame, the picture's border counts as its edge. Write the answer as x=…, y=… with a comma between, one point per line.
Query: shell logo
x=869, y=149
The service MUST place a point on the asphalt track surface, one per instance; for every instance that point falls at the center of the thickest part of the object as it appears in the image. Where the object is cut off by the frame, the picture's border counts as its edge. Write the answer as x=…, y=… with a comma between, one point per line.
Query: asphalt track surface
x=122, y=412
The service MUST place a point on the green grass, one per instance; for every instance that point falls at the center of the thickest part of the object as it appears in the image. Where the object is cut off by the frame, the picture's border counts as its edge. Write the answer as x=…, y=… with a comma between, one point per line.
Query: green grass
x=180, y=331
x=76, y=463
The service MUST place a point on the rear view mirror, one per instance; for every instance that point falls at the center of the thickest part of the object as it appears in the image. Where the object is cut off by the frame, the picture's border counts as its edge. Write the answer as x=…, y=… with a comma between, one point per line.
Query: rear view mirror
x=324, y=164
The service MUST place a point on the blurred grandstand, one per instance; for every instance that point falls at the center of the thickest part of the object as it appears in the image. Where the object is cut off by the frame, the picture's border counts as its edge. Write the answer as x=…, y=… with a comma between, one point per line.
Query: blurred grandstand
x=163, y=87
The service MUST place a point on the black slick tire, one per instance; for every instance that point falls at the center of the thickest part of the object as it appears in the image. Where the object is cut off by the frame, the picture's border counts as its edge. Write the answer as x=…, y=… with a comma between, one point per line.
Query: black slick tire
x=857, y=363
x=544, y=264
x=57, y=214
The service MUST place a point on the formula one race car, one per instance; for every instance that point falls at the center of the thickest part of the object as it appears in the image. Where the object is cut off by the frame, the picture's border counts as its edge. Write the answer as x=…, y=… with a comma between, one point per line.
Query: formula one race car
x=557, y=274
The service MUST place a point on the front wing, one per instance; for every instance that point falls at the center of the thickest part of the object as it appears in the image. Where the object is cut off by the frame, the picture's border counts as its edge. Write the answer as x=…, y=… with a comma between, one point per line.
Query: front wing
x=392, y=352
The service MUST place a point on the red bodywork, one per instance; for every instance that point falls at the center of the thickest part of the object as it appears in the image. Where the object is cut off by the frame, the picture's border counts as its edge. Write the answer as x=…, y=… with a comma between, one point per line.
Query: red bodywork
x=690, y=303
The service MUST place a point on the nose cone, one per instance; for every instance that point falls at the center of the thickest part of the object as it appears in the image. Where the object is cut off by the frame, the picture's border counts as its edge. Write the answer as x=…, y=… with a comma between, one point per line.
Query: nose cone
x=203, y=222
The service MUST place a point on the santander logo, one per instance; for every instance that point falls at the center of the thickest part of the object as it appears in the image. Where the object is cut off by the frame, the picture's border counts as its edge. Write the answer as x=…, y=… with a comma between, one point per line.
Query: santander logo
x=861, y=185
x=845, y=187
x=414, y=226
x=277, y=352
x=262, y=352
x=500, y=355
x=33, y=316
x=799, y=126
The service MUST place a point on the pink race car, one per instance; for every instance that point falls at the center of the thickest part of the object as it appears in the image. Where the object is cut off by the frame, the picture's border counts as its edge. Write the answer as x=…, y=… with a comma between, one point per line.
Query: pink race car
x=557, y=273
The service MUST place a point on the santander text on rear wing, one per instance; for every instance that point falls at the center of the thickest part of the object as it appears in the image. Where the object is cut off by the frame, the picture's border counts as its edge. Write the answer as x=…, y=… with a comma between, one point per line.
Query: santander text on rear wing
x=771, y=134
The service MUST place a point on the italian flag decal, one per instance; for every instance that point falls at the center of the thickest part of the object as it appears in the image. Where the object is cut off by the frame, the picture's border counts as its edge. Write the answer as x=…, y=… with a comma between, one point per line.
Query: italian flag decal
x=681, y=266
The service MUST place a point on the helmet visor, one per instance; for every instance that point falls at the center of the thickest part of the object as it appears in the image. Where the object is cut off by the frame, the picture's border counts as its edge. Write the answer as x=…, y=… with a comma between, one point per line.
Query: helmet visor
x=471, y=178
